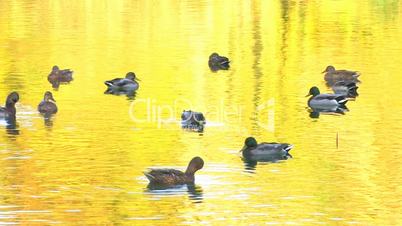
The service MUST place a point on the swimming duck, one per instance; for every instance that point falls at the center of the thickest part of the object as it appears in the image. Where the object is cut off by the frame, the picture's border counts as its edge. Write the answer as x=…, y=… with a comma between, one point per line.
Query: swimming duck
x=348, y=89
x=217, y=62
x=127, y=84
x=192, y=120
x=324, y=101
x=58, y=76
x=265, y=151
x=47, y=105
x=8, y=112
x=175, y=177
x=332, y=75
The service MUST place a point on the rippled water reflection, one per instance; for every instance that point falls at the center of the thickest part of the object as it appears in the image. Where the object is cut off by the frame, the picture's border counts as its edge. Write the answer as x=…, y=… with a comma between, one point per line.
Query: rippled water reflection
x=85, y=164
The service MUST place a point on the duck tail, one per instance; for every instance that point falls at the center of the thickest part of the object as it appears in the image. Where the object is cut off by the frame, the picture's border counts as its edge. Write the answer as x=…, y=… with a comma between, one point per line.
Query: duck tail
x=225, y=62
x=351, y=85
x=108, y=83
x=149, y=176
x=357, y=74
x=341, y=100
x=288, y=148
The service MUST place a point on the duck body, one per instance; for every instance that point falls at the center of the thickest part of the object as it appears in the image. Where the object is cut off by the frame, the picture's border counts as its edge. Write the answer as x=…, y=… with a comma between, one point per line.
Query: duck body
x=47, y=105
x=192, y=120
x=173, y=176
x=127, y=84
x=265, y=151
x=325, y=101
x=8, y=112
x=217, y=62
x=169, y=176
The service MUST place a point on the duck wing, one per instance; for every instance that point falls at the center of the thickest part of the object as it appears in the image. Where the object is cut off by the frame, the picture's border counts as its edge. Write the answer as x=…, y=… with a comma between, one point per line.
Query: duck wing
x=276, y=146
x=198, y=116
x=113, y=82
x=123, y=82
x=165, y=176
x=338, y=98
x=66, y=71
x=270, y=152
x=47, y=107
x=223, y=60
x=346, y=74
x=186, y=115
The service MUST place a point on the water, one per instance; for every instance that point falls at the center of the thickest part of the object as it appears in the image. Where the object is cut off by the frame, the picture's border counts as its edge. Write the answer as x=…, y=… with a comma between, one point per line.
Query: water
x=85, y=165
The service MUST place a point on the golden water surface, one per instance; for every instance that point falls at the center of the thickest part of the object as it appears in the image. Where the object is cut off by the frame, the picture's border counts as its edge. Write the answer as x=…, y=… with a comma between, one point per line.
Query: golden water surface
x=85, y=166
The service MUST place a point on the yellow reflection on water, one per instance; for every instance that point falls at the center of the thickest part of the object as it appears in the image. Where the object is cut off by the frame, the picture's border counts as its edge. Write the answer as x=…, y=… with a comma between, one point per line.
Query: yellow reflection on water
x=85, y=166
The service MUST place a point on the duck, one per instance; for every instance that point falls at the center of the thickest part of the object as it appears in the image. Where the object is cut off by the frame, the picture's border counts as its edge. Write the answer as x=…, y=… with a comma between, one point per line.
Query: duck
x=332, y=75
x=47, y=105
x=173, y=176
x=348, y=89
x=8, y=111
x=58, y=76
x=217, y=62
x=127, y=84
x=325, y=101
x=192, y=120
x=265, y=151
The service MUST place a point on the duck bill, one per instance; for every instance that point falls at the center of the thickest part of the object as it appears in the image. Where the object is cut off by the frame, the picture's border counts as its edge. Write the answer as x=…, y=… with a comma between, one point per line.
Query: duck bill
x=324, y=71
x=137, y=79
x=241, y=150
x=308, y=95
x=52, y=99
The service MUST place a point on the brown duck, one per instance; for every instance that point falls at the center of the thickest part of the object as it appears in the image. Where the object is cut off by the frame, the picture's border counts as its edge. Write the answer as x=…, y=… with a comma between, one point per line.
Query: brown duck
x=58, y=76
x=332, y=75
x=47, y=105
x=175, y=177
x=9, y=111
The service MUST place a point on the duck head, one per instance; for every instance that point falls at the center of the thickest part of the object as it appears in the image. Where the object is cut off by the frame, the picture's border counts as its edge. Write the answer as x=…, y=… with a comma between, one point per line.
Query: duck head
x=55, y=68
x=195, y=164
x=250, y=142
x=12, y=98
x=330, y=68
x=314, y=91
x=213, y=55
x=49, y=97
x=131, y=76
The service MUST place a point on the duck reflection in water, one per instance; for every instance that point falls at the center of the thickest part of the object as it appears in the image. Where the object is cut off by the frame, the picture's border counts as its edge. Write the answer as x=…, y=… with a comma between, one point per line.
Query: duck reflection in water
x=316, y=112
x=12, y=127
x=195, y=192
x=129, y=94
